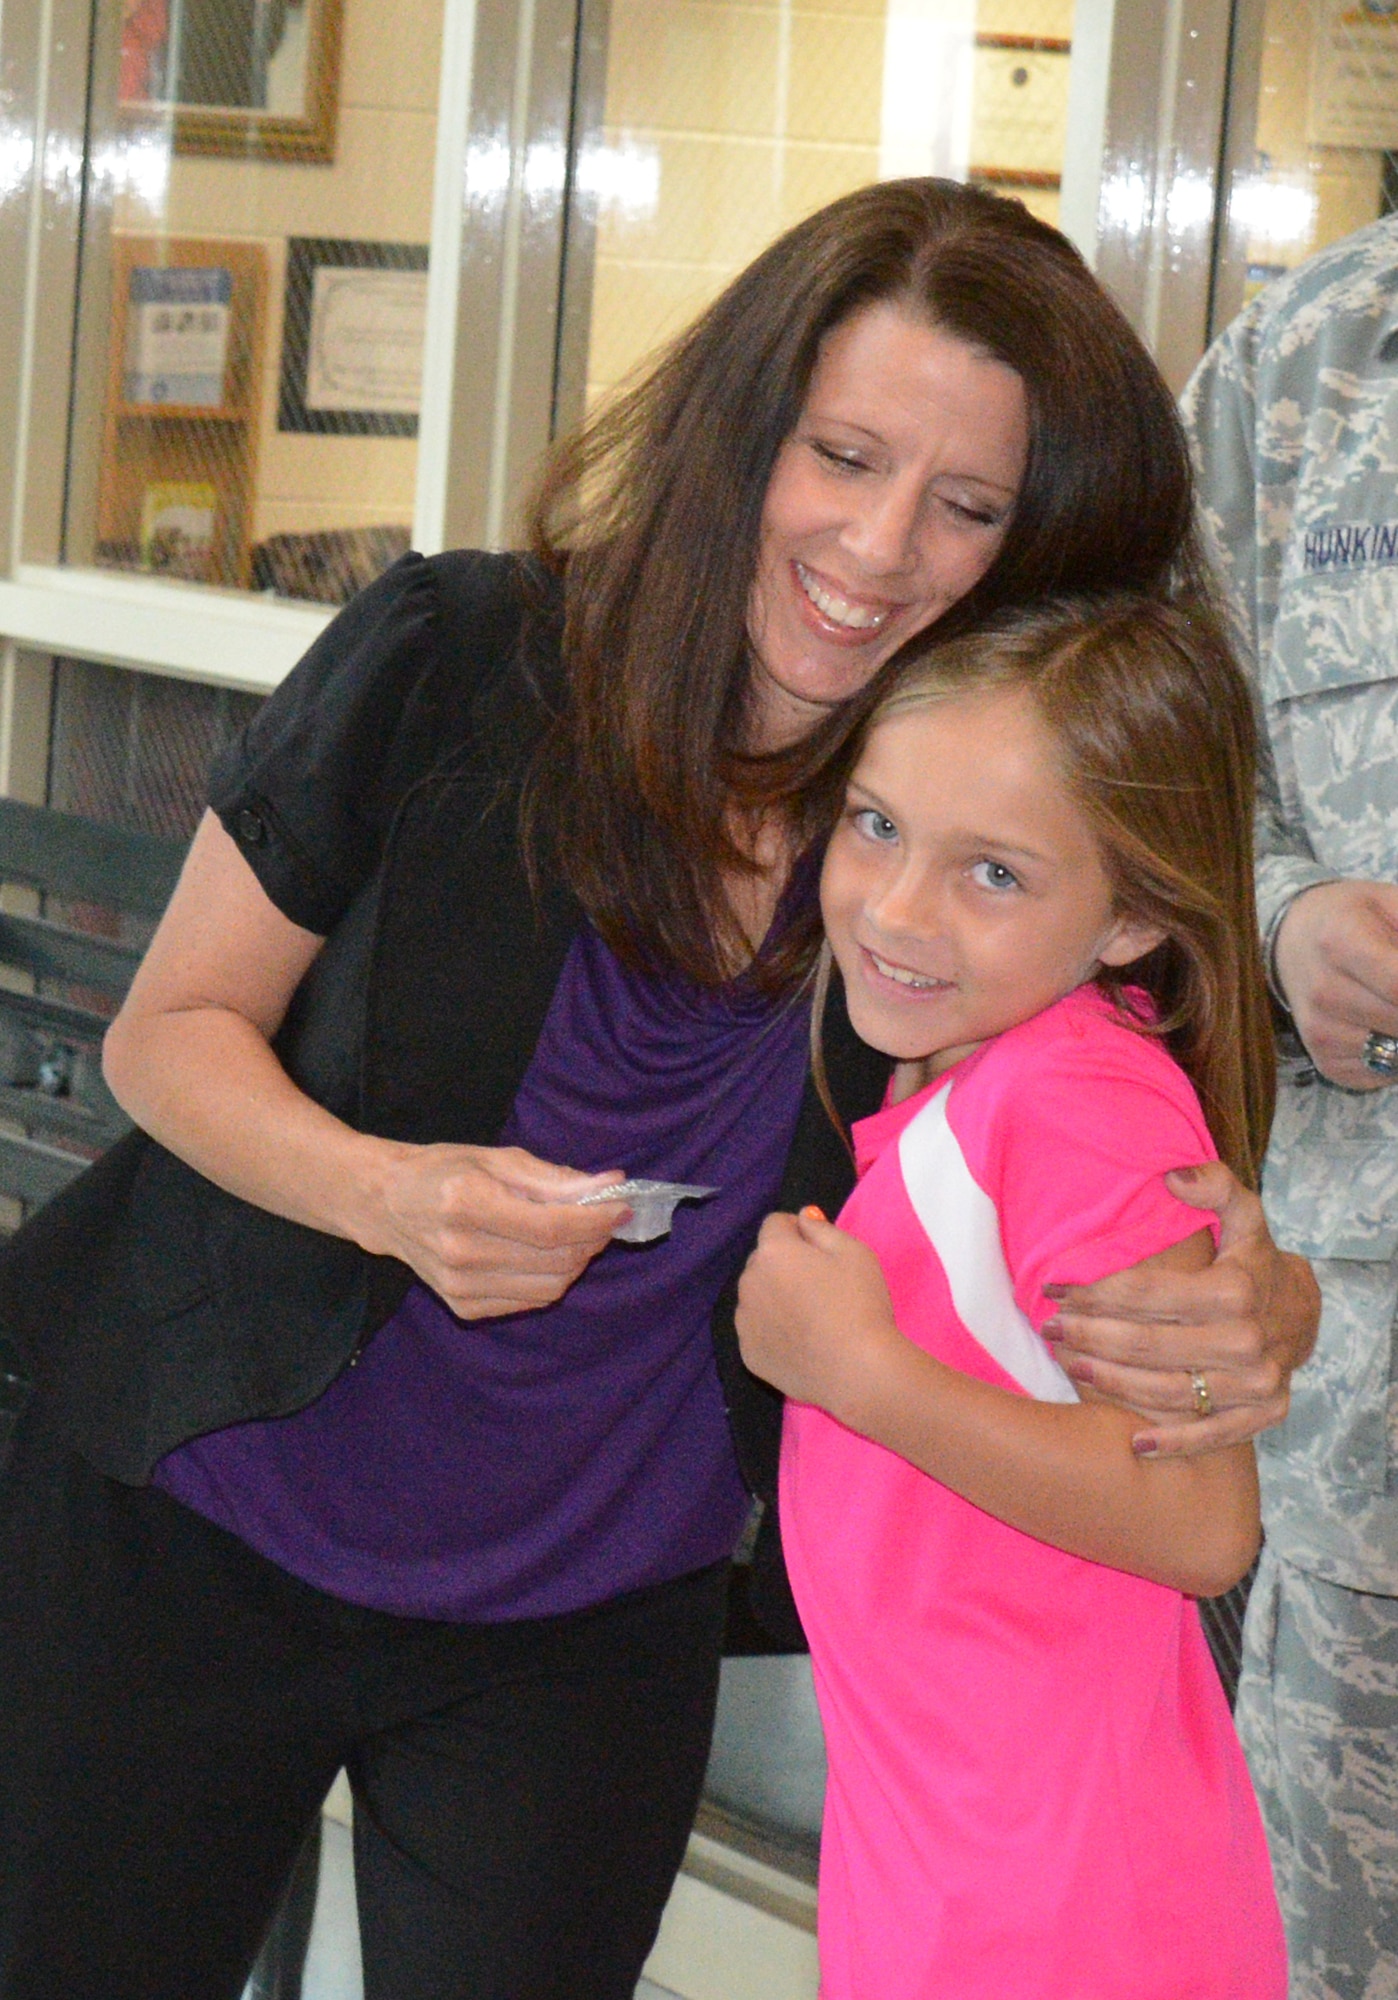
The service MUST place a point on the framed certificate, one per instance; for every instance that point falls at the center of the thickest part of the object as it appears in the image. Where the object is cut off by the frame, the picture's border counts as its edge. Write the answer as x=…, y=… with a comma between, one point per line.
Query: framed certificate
x=352, y=337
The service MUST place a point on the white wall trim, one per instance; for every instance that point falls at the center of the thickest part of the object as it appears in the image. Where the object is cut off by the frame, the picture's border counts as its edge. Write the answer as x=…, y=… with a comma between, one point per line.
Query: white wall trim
x=1089, y=88
x=497, y=495
x=444, y=274
x=30, y=315
x=229, y=638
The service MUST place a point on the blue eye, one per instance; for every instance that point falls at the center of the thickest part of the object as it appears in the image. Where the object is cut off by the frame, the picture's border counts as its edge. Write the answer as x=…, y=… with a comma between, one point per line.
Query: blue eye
x=875, y=825
x=994, y=875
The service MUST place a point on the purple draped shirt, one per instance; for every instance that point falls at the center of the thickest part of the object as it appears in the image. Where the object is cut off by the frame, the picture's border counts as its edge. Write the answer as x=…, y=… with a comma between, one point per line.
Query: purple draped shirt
x=520, y=1467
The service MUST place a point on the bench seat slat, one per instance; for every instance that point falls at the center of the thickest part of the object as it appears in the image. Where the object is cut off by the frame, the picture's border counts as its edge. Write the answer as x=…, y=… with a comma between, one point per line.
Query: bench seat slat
x=53, y=951
x=91, y=1124
x=57, y=1017
x=47, y=1136
x=65, y=855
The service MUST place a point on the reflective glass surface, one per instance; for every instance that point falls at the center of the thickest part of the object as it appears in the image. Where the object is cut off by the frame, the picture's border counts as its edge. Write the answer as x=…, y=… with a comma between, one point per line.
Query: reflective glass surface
x=1322, y=161
x=253, y=290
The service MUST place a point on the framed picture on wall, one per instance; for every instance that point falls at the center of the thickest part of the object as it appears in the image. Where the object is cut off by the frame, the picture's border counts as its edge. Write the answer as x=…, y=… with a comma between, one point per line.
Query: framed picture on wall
x=352, y=335
x=254, y=79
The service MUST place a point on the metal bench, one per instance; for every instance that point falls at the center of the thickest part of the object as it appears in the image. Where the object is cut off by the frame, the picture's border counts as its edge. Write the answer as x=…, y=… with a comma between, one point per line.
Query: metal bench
x=64, y=968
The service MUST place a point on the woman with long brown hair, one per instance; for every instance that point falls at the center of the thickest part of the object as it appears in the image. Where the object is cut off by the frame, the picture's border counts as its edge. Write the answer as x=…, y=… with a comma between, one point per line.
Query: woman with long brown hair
x=355, y=1439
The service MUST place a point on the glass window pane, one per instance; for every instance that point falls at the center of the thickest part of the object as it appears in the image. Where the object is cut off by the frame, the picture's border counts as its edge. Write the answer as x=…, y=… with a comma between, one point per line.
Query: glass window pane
x=1326, y=138
x=726, y=121
x=254, y=288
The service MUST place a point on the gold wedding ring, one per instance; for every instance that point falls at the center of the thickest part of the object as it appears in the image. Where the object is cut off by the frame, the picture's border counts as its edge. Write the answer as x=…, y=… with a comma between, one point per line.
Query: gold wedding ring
x=1203, y=1401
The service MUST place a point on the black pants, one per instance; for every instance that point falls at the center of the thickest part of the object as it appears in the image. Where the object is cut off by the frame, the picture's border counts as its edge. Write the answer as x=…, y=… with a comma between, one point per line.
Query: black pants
x=173, y=1708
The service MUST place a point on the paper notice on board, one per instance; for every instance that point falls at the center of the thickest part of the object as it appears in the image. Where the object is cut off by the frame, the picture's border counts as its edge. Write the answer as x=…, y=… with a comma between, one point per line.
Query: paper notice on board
x=1354, y=75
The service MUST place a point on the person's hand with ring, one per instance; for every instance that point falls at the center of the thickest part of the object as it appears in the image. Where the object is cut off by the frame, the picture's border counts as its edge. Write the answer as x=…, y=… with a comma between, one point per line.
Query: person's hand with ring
x=1337, y=965
x=1206, y=1357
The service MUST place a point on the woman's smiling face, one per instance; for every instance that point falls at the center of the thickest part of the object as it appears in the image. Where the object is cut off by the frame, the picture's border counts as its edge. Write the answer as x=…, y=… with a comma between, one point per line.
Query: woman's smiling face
x=889, y=500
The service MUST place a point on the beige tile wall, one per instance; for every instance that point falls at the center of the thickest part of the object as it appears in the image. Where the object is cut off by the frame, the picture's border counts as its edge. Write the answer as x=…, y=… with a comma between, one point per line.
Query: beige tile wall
x=1050, y=18
x=728, y=120
x=378, y=188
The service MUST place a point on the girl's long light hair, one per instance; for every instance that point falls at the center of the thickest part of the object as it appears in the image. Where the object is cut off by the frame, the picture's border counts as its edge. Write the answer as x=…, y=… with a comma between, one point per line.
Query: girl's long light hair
x=1155, y=727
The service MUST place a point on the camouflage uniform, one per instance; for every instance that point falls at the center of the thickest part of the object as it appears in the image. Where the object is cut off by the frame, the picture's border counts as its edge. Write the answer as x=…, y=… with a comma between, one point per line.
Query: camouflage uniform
x=1294, y=414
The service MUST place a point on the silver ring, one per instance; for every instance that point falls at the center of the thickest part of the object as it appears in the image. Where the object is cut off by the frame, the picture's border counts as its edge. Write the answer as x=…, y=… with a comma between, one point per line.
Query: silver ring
x=1380, y=1054
x=1203, y=1401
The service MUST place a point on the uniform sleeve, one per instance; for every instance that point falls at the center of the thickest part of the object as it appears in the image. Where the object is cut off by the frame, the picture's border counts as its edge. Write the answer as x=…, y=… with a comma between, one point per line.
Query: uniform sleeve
x=310, y=787
x=1086, y=1132
x=1220, y=414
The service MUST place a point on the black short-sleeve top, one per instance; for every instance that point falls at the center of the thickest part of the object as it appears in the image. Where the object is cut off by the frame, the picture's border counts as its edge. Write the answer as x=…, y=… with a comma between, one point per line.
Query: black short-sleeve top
x=396, y=687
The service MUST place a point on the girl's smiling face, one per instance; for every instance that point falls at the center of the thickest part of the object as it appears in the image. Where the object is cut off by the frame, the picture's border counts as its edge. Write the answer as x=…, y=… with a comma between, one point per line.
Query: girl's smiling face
x=963, y=889
x=889, y=500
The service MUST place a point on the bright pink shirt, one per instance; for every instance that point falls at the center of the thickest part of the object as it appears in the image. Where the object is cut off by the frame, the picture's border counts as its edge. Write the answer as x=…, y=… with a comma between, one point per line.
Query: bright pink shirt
x=1036, y=1791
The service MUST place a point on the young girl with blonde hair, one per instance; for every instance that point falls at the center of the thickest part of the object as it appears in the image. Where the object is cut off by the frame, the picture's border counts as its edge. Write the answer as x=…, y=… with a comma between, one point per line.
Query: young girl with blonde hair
x=1039, y=898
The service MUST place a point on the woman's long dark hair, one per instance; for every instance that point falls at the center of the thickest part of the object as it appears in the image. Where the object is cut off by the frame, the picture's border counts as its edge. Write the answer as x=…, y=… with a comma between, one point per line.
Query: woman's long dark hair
x=652, y=515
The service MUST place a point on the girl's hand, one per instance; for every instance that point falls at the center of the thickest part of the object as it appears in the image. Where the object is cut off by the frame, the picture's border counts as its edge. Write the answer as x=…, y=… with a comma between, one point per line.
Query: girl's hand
x=814, y=1317
x=492, y=1229
x=1244, y=1324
